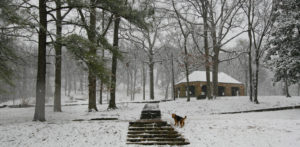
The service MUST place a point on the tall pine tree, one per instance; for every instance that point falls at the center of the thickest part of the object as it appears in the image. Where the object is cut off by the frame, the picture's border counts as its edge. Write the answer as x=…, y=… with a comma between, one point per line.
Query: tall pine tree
x=39, y=113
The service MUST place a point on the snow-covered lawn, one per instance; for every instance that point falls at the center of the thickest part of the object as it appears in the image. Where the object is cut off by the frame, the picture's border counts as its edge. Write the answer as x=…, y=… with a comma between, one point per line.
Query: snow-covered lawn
x=226, y=104
x=262, y=129
x=18, y=129
x=276, y=128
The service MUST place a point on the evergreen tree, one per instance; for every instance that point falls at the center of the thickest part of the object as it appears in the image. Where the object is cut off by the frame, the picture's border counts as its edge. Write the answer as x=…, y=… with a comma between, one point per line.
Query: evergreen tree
x=76, y=43
x=284, y=46
x=7, y=53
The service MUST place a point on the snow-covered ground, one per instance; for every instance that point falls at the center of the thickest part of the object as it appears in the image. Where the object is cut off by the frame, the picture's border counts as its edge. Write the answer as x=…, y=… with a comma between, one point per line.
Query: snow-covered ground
x=18, y=129
x=275, y=129
x=263, y=129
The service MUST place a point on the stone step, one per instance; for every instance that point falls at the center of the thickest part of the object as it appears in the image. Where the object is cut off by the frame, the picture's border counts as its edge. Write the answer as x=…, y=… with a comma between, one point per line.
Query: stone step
x=149, y=128
x=160, y=143
x=151, y=107
x=153, y=132
x=150, y=116
x=153, y=135
x=148, y=123
x=149, y=113
x=154, y=139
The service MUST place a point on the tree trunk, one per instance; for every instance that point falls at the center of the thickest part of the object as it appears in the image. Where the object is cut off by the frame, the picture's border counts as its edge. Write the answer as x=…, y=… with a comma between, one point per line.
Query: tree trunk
x=186, y=69
x=215, y=75
x=255, y=100
x=49, y=92
x=173, y=77
x=107, y=93
x=74, y=82
x=144, y=81
x=151, y=68
x=250, y=77
x=207, y=64
x=128, y=82
x=58, y=55
x=39, y=113
x=256, y=77
x=66, y=82
x=101, y=84
x=250, y=50
x=69, y=84
x=92, y=92
x=298, y=89
x=134, y=82
x=112, y=101
x=286, y=86
x=24, y=85
x=215, y=61
x=81, y=82
x=101, y=93
x=167, y=89
x=131, y=86
x=91, y=76
x=246, y=82
x=215, y=58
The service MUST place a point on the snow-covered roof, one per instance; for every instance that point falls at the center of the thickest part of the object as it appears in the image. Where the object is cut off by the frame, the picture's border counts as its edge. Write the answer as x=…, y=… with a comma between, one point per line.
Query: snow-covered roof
x=201, y=76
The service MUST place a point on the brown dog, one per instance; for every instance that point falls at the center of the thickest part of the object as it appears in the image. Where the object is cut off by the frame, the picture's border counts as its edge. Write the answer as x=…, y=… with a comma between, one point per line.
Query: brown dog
x=178, y=120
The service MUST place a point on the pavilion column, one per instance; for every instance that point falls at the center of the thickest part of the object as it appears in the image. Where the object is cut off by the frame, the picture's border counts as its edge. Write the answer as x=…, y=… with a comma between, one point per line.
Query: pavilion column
x=228, y=90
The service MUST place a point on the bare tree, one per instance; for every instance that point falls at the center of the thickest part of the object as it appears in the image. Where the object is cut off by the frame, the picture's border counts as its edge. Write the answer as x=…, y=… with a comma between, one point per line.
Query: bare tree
x=222, y=18
x=185, y=33
x=201, y=8
x=259, y=15
x=250, y=22
x=148, y=40
x=220, y=25
x=206, y=46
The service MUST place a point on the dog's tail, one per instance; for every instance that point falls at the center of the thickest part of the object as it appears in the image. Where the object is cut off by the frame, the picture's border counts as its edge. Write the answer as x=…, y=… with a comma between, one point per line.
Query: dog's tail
x=184, y=117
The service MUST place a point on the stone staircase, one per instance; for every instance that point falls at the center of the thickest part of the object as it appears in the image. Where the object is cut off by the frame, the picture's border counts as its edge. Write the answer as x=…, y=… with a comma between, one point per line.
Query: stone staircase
x=151, y=130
